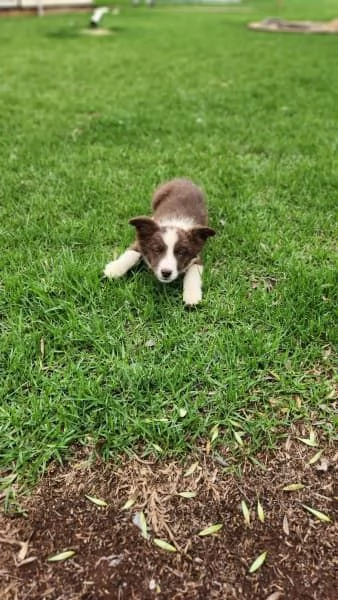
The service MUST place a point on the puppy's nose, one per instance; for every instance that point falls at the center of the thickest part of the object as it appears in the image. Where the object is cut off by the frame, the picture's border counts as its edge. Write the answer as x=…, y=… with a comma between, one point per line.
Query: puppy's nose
x=166, y=274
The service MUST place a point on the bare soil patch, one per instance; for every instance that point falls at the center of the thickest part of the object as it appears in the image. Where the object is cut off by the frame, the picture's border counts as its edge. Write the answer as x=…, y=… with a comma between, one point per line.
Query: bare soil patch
x=50, y=10
x=114, y=561
x=97, y=31
x=275, y=24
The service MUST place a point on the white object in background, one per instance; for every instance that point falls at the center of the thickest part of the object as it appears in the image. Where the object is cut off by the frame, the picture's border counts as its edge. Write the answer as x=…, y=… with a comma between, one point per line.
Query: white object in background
x=219, y=1
x=147, y=2
x=97, y=15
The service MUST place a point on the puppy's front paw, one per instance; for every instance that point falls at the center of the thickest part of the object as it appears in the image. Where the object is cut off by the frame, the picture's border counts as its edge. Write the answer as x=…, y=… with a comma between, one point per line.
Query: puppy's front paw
x=114, y=269
x=191, y=297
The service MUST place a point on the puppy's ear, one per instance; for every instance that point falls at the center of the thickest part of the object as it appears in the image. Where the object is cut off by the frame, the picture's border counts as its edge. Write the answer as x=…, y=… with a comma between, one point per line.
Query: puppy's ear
x=201, y=234
x=145, y=226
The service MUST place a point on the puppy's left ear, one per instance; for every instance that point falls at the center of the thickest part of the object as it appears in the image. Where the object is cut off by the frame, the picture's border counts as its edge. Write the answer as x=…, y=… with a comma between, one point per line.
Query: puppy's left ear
x=145, y=226
x=201, y=234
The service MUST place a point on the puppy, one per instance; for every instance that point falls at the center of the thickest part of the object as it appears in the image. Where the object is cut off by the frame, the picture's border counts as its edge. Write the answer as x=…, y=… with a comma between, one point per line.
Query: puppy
x=171, y=240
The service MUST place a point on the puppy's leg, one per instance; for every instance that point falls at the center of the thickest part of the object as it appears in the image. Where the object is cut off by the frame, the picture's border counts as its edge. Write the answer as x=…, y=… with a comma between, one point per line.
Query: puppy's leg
x=192, y=285
x=121, y=265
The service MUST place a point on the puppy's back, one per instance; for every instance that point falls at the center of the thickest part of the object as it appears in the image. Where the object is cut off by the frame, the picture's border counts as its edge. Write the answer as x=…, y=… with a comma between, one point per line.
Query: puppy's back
x=180, y=198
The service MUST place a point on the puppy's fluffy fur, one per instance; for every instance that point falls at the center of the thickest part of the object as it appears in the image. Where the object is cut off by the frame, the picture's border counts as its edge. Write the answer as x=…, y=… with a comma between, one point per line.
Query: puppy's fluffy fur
x=170, y=241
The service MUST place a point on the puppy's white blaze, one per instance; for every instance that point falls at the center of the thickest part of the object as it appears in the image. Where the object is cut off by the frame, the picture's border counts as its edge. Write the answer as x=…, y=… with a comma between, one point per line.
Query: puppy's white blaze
x=168, y=262
x=180, y=223
x=121, y=265
x=192, y=285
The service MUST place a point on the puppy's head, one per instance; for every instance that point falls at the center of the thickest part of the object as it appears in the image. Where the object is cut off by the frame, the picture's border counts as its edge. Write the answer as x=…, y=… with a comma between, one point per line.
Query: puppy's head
x=169, y=251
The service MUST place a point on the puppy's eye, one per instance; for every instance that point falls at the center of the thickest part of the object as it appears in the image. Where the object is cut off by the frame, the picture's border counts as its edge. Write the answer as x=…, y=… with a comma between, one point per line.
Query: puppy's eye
x=157, y=249
x=182, y=252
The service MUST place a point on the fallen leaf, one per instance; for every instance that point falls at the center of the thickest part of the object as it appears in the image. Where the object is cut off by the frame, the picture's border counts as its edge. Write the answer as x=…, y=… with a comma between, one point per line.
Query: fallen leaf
x=61, y=556
x=164, y=545
x=274, y=596
x=96, y=501
x=308, y=441
x=191, y=470
x=235, y=423
x=315, y=457
x=298, y=401
x=23, y=551
x=158, y=448
x=293, y=487
x=286, y=525
x=210, y=530
x=312, y=436
x=128, y=504
x=258, y=562
x=246, y=512
x=27, y=560
x=238, y=438
x=260, y=512
x=140, y=521
x=187, y=494
x=332, y=394
x=214, y=433
x=316, y=513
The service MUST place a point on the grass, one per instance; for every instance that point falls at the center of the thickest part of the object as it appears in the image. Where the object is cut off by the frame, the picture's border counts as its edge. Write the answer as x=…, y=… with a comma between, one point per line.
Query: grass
x=89, y=127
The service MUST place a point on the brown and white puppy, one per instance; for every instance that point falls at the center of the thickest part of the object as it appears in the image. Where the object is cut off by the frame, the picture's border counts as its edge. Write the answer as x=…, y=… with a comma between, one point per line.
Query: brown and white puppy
x=171, y=240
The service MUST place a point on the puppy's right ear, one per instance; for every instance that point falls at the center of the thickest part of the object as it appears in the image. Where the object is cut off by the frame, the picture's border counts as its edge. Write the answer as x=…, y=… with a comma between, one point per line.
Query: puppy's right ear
x=145, y=226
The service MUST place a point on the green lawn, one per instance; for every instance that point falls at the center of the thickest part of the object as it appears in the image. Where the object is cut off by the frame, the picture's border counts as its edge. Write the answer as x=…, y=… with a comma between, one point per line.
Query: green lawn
x=88, y=128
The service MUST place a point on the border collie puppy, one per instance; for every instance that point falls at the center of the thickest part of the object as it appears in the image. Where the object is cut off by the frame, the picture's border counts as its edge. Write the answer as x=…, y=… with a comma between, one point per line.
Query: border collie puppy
x=171, y=240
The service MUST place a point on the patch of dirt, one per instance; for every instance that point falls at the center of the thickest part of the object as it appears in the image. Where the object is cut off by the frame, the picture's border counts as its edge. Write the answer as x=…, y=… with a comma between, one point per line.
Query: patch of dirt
x=113, y=561
x=275, y=24
x=50, y=10
x=98, y=31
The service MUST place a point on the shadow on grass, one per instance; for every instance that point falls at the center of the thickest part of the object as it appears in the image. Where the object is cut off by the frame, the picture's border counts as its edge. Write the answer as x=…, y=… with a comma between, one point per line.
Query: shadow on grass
x=64, y=34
